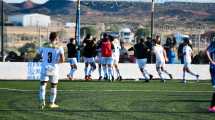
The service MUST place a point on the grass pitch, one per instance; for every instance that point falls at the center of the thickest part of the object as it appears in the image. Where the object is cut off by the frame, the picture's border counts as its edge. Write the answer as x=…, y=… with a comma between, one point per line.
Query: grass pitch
x=126, y=100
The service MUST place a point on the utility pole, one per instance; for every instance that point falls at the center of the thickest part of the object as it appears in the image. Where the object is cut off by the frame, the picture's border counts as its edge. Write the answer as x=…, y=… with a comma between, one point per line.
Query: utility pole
x=152, y=18
x=77, y=28
x=2, y=30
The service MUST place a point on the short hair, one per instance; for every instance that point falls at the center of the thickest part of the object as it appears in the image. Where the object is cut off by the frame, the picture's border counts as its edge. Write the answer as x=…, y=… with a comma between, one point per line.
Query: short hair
x=71, y=39
x=52, y=36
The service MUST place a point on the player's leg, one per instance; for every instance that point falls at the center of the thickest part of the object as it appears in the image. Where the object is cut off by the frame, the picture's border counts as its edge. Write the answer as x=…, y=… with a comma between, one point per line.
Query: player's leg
x=100, y=70
x=188, y=70
x=92, y=68
x=158, y=68
x=165, y=71
x=53, y=91
x=184, y=74
x=212, y=73
x=104, y=66
x=42, y=91
x=110, y=68
x=116, y=66
x=86, y=69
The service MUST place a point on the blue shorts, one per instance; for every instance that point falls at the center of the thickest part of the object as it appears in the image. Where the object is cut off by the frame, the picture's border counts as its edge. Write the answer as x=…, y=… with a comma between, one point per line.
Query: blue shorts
x=212, y=72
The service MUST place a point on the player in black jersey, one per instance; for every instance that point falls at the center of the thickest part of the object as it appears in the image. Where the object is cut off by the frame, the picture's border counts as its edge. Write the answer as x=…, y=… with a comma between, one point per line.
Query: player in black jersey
x=72, y=54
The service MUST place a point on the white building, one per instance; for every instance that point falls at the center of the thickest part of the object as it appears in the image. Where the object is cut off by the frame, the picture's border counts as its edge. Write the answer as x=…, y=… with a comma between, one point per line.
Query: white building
x=30, y=20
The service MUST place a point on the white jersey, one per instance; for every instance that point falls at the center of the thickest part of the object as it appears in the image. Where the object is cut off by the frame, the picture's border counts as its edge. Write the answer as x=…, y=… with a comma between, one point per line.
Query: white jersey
x=187, y=52
x=159, y=53
x=50, y=57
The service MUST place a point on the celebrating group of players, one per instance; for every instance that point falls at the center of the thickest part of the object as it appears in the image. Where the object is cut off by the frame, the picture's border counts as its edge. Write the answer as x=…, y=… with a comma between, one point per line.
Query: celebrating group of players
x=107, y=51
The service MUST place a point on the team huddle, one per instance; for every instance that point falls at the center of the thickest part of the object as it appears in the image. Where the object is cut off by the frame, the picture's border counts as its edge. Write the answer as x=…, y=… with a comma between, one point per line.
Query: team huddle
x=106, y=53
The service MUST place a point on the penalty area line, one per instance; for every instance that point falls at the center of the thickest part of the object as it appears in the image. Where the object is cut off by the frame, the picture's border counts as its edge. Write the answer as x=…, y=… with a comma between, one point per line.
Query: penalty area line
x=165, y=91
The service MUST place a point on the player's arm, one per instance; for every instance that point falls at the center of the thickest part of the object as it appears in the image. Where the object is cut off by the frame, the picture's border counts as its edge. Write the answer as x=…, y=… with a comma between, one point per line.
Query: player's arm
x=62, y=57
x=165, y=56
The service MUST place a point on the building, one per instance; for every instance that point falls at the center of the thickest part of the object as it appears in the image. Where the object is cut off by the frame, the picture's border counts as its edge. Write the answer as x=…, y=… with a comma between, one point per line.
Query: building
x=30, y=20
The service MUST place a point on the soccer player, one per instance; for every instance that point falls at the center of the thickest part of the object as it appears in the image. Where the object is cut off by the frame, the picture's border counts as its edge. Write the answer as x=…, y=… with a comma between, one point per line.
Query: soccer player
x=187, y=53
x=107, y=60
x=141, y=52
x=115, y=56
x=161, y=58
x=211, y=56
x=72, y=54
x=89, y=54
x=99, y=58
x=52, y=54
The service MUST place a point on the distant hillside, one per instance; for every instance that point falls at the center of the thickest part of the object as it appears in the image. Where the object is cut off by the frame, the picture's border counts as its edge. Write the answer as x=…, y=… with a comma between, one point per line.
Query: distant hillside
x=170, y=10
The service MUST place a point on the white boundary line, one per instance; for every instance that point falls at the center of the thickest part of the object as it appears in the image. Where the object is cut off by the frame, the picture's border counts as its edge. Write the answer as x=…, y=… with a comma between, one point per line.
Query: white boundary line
x=168, y=91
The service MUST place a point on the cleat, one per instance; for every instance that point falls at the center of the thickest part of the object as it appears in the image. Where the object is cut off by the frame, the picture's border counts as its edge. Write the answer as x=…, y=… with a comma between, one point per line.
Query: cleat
x=119, y=78
x=146, y=81
x=211, y=109
x=170, y=76
x=105, y=78
x=53, y=105
x=184, y=81
x=69, y=77
x=112, y=78
x=86, y=78
x=150, y=77
x=42, y=105
x=163, y=81
x=100, y=78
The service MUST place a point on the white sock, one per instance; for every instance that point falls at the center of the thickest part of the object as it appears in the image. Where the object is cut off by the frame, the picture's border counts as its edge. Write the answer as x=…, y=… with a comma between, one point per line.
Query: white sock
x=110, y=72
x=73, y=72
x=53, y=95
x=42, y=93
x=145, y=74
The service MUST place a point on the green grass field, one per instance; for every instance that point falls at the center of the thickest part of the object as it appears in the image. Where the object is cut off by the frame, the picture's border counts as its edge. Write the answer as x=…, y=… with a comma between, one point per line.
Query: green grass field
x=127, y=100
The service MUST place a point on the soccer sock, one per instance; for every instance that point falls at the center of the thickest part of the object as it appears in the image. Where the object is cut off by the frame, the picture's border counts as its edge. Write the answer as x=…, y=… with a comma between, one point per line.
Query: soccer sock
x=105, y=70
x=42, y=93
x=118, y=73
x=184, y=75
x=193, y=74
x=73, y=72
x=86, y=71
x=100, y=71
x=166, y=72
x=146, y=74
x=160, y=74
x=53, y=95
x=213, y=100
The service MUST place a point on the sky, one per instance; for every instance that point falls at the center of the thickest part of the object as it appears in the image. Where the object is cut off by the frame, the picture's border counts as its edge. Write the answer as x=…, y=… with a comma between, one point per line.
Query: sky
x=43, y=1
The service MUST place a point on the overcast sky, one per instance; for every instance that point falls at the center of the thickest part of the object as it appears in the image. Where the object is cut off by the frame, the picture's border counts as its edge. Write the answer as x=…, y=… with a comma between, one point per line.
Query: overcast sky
x=42, y=1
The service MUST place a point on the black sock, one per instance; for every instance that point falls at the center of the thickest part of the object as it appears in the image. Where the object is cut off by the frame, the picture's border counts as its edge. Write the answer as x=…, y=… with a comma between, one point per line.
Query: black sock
x=213, y=100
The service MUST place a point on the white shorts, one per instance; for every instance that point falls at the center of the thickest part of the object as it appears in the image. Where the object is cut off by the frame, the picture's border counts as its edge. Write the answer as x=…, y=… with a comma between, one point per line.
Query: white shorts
x=160, y=64
x=141, y=62
x=72, y=61
x=107, y=60
x=52, y=79
x=187, y=65
x=115, y=60
x=89, y=60
x=49, y=73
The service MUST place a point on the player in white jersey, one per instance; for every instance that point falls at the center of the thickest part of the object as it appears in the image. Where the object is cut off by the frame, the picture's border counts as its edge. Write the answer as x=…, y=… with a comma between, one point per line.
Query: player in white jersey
x=115, y=56
x=51, y=55
x=187, y=53
x=161, y=58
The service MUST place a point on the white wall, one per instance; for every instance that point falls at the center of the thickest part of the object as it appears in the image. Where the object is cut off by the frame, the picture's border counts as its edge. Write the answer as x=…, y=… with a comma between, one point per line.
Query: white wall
x=24, y=71
x=30, y=20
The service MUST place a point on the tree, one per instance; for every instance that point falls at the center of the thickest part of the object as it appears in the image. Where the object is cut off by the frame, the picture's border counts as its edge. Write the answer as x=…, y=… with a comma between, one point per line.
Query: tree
x=88, y=30
x=142, y=32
